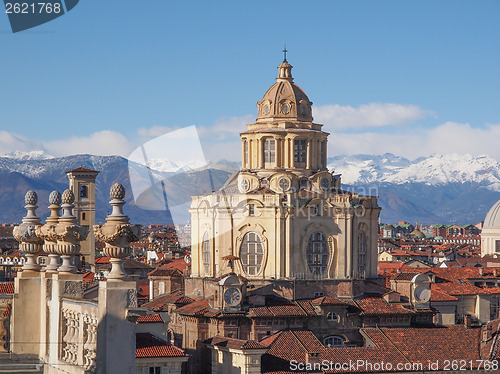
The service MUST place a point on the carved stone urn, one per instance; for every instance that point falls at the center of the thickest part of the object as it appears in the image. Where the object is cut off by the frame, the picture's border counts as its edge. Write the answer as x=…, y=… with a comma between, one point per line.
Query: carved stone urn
x=25, y=233
x=69, y=234
x=48, y=231
x=117, y=233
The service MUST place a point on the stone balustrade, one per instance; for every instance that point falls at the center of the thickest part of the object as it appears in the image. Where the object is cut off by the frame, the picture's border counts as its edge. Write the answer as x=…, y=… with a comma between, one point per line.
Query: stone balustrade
x=79, y=334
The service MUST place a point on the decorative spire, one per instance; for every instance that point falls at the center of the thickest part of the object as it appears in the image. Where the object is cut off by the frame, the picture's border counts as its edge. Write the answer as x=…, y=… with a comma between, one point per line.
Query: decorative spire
x=285, y=69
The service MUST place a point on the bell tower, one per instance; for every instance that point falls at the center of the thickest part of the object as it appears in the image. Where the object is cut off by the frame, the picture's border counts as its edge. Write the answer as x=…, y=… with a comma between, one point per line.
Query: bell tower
x=82, y=184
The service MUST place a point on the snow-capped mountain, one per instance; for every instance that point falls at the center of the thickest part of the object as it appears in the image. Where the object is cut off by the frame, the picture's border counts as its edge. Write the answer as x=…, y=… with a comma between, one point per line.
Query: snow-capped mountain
x=33, y=155
x=434, y=189
x=433, y=170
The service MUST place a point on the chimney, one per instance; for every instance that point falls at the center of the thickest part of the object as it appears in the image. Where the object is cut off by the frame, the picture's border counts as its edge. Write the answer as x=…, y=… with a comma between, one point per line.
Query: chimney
x=495, y=272
x=487, y=332
x=467, y=321
x=312, y=358
x=481, y=271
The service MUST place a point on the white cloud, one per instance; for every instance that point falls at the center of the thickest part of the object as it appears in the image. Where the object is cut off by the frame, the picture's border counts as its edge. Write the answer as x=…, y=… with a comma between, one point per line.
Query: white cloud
x=337, y=117
x=11, y=142
x=155, y=130
x=226, y=127
x=447, y=138
x=104, y=143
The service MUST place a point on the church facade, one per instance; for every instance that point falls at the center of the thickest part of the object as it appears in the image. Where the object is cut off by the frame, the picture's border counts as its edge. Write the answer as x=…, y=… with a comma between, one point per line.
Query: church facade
x=284, y=215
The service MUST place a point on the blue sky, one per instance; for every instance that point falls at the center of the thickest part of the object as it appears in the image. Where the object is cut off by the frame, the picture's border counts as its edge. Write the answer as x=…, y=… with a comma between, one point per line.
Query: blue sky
x=408, y=77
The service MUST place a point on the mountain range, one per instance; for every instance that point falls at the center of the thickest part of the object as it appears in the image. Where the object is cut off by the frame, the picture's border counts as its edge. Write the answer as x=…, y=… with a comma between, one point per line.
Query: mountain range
x=435, y=189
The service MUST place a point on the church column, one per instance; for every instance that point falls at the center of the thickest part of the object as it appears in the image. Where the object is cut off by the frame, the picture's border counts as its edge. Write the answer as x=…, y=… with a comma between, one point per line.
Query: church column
x=278, y=152
x=318, y=154
x=243, y=158
x=260, y=153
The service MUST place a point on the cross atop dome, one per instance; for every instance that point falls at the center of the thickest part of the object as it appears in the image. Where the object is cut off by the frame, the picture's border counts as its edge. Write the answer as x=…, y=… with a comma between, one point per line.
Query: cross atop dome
x=285, y=69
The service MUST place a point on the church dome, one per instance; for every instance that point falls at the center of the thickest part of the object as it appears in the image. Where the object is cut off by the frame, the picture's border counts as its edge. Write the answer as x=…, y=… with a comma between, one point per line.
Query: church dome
x=284, y=100
x=492, y=219
x=418, y=234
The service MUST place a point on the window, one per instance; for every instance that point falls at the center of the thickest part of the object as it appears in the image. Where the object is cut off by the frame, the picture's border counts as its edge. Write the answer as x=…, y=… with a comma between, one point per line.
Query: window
x=299, y=150
x=334, y=341
x=319, y=294
x=269, y=154
x=303, y=183
x=83, y=216
x=317, y=254
x=154, y=370
x=205, y=247
x=362, y=252
x=251, y=253
x=84, y=191
x=251, y=209
x=332, y=317
x=497, y=245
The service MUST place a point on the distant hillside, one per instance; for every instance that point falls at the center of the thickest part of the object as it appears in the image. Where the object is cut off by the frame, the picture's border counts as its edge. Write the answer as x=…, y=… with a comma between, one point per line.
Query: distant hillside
x=18, y=175
x=437, y=189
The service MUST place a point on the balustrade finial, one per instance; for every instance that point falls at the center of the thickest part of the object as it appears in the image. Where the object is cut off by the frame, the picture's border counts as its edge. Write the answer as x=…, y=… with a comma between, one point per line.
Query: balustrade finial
x=117, y=233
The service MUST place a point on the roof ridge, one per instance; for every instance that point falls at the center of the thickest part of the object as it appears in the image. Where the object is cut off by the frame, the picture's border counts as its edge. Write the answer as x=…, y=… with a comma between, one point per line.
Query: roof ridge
x=394, y=345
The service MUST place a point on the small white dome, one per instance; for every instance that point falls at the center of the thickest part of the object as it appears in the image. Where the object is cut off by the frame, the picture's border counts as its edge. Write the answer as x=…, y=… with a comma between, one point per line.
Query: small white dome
x=492, y=219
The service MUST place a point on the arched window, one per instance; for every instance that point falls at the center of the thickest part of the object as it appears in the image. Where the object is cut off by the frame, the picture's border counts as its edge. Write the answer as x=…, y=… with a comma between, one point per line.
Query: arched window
x=83, y=216
x=333, y=341
x=205, y=247
x=251, y=253
x=84, y=191
x=361, y=252
x=332, y=317
x=317, y=254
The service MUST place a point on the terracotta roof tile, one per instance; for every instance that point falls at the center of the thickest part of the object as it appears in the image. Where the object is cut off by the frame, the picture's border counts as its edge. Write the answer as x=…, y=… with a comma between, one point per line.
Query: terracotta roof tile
x=438, y=295
x=7, y=288
x=150, y=318
x=391, y=345
x=235, y=343
x=162, y=302
x=82, y=169
x=330, y=300
x=148, y=345
x=377, y=305
x=166, y=272
x=7, y=311
x=199, y=308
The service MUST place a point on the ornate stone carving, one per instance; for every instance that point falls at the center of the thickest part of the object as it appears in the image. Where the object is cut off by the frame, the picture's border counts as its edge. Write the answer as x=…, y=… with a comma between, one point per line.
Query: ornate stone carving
x=73, y=289
x=68, y=233
x=48, y=231
x=26, y=232
x=90, y=345
x=117, y=233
